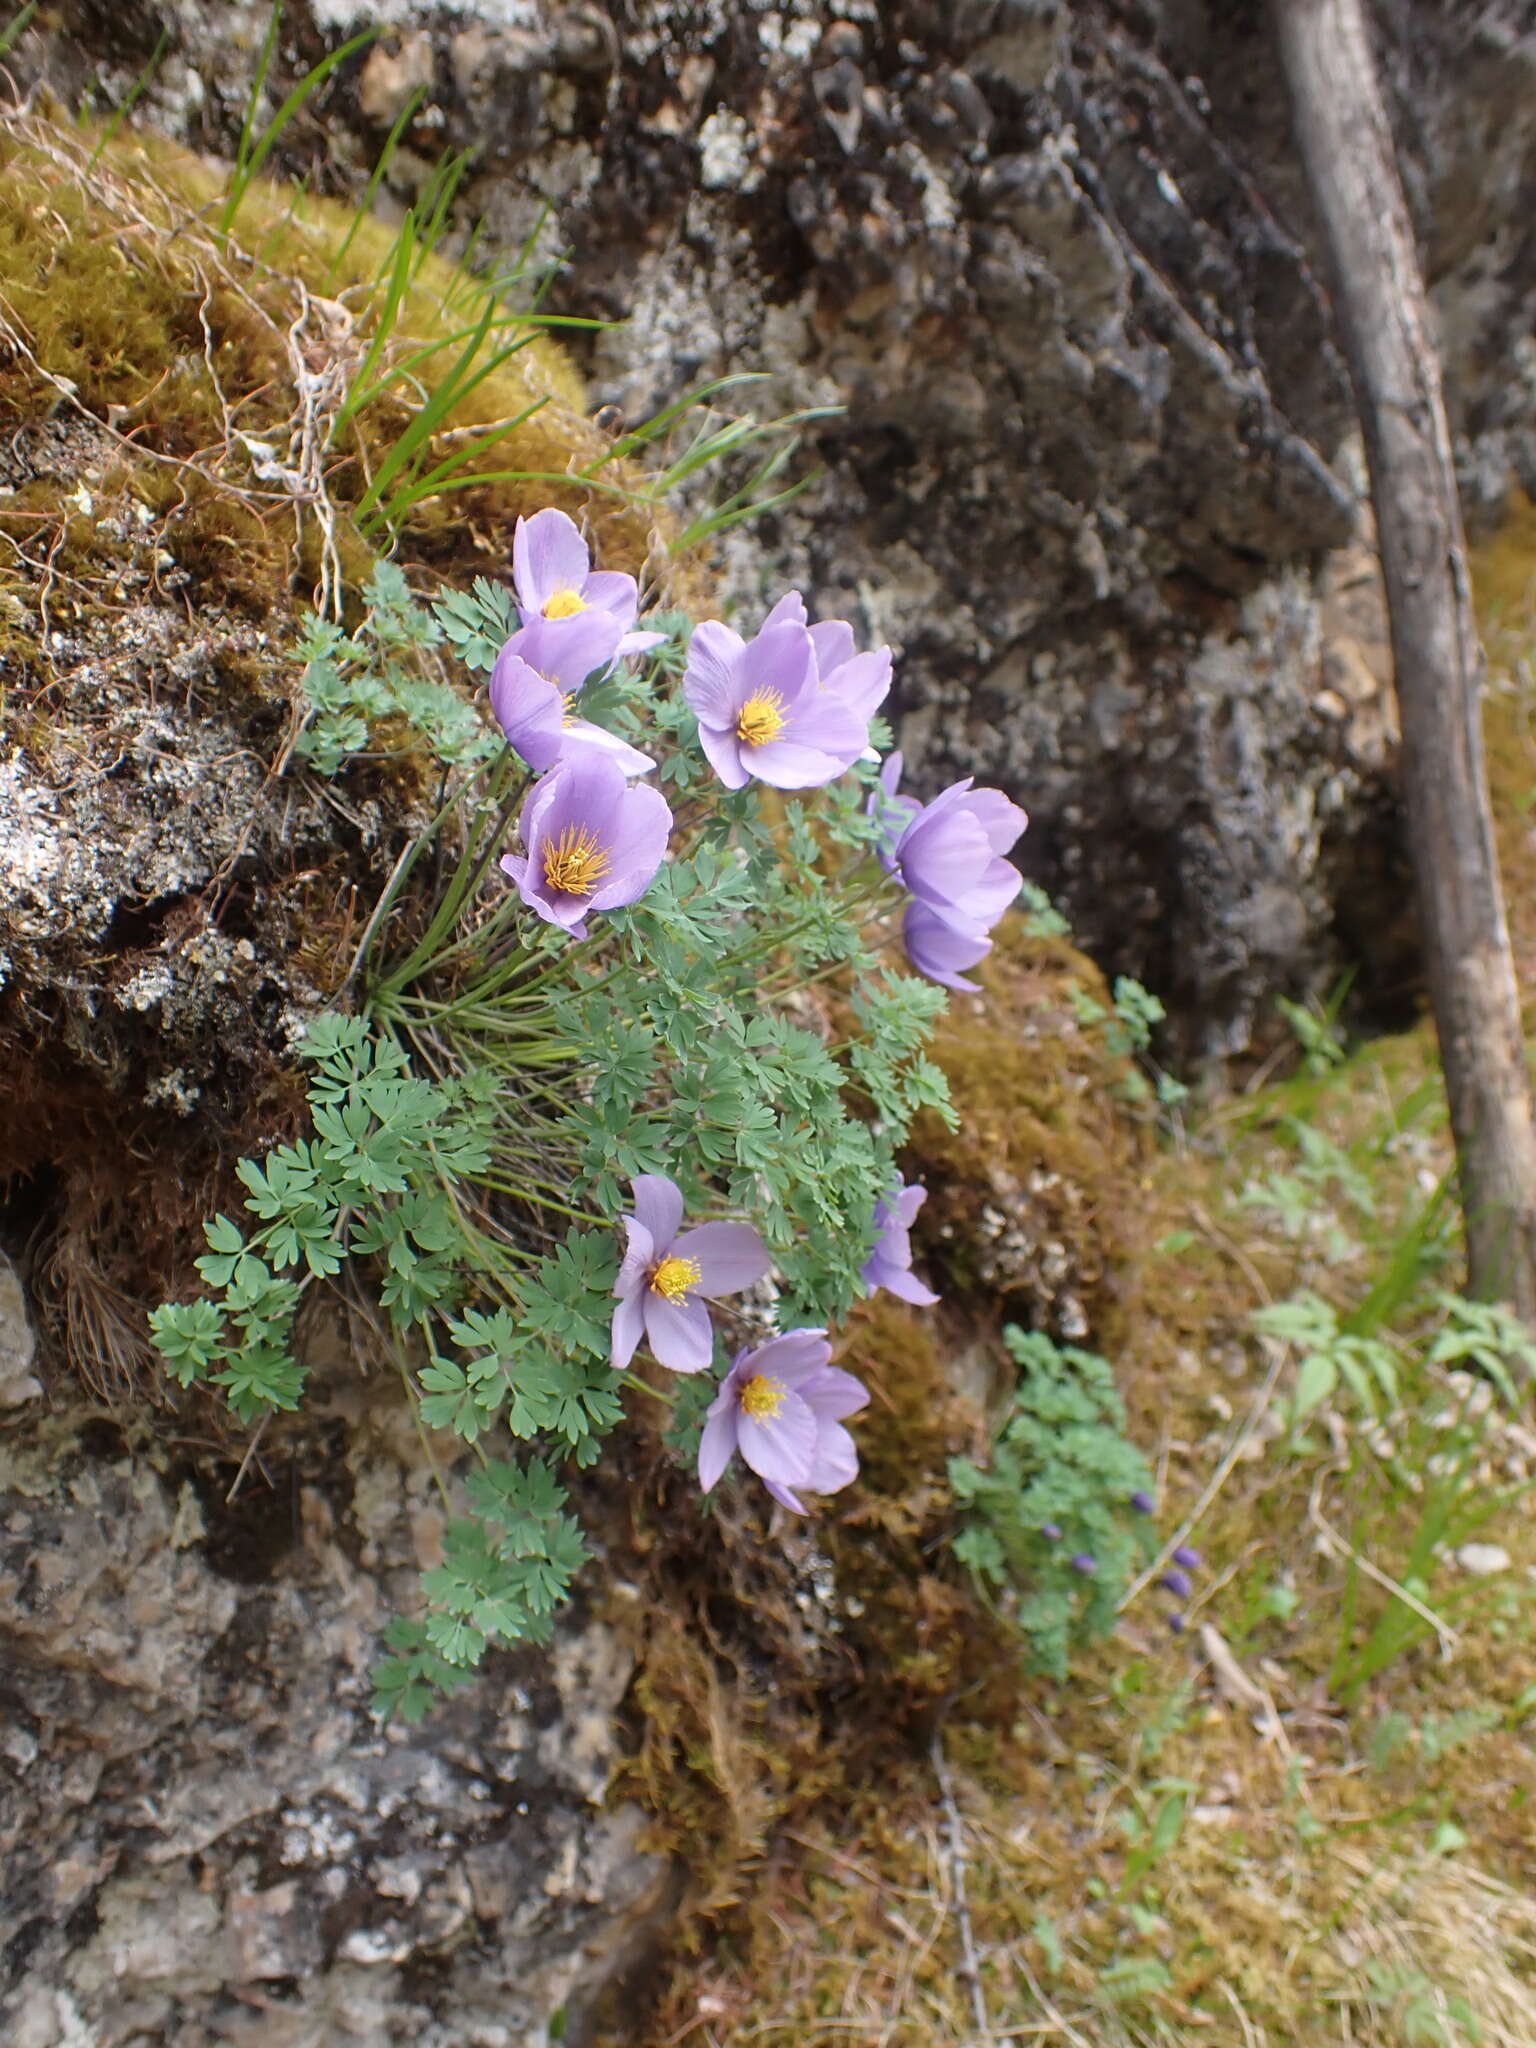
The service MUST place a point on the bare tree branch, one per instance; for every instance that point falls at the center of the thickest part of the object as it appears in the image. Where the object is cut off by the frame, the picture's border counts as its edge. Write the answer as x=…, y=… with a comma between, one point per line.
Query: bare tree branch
x=1346, y=147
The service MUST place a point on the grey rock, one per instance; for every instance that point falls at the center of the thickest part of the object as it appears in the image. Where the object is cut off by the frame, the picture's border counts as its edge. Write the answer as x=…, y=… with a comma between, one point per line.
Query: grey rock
x=18, y=1344
x=1055, y=264
x=205, y=1836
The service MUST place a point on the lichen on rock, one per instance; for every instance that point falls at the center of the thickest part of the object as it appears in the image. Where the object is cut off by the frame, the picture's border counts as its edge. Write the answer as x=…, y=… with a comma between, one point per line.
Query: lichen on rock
x=204, y=1830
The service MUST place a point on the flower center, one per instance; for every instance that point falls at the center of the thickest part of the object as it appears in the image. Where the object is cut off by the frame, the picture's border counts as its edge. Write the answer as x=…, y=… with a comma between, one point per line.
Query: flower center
x=565, y=603
x=674, y=1277
x=761, y=718
x=575, y=862
x=762, y=1397
x=567, y=715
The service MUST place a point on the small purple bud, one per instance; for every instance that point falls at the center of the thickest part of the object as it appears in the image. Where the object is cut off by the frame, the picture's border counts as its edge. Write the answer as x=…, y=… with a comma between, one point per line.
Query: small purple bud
x=1050, y=1532
x=1190, y=1559
x=1082, y=1562
x=1143, y=1503
x=1176, y=1623
x=1177, y=1584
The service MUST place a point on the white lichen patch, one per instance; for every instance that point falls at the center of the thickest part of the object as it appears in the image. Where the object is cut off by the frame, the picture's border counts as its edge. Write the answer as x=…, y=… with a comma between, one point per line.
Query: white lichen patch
x=725, y=156
x=524, y=15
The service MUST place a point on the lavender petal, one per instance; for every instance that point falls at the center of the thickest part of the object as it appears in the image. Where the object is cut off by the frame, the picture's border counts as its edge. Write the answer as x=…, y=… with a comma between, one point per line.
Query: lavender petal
x=729, y=1256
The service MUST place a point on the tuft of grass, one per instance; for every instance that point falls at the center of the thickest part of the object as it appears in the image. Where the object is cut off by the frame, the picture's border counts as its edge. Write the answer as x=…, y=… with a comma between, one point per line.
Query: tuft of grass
x=252, y=150
x=227, y=379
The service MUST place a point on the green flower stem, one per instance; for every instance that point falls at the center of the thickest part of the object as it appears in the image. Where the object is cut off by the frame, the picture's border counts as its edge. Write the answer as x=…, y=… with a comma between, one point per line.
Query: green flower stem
x=633, y=1379
x=478, y=852
x=413, y=1393
x=397, y=879
x=473, y=943
x=550, y=1196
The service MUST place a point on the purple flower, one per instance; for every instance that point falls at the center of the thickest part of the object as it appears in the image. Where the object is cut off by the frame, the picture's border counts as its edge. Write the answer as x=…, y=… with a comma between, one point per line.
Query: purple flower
x=663, y=1275
x=1051, y=1531
x=1190, y=1559
x=950, y=855
x=554, y=579
x=761, y=711
x=936, y=948
x=1143, y=1503
x=593, y=841
x=782, y=1407
x=889, y=1265
x=1085, y=1564
x=1177, y=1623
x=860, y=680
x=534, y=684
x=1177, y=1583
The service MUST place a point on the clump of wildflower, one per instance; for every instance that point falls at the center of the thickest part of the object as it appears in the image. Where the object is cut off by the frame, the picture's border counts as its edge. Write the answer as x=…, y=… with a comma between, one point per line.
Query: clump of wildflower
x=553, y=577
x=667, y=1272
x=762, y=711
x=782, y=1406
x=1143, y=1502
x=889, y=1265
x=593, y=841
x=534, y=686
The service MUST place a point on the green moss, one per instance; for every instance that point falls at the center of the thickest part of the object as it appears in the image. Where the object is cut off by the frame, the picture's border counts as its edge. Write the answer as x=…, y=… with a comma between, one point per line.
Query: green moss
x=190, y=348
x=1035, y=1197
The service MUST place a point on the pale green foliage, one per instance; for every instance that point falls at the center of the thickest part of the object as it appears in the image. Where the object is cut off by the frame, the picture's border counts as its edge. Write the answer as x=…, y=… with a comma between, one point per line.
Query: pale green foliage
x=1316, y=1032
x=1330, y=1357
x=1060, y=1460
x=355, y=681
x=1418, y=1407
x=1042, y=920
x=1312, y=1197
x=1423, y=2014
x=1126, y=1030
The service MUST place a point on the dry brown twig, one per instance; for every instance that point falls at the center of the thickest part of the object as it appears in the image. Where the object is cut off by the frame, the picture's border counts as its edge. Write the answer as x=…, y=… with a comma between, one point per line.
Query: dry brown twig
x=971, y=1964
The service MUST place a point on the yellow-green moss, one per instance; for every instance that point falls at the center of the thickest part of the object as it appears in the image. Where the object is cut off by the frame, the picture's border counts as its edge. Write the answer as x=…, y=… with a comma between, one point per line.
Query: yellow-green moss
x=127, y=305
x=1035, y=1195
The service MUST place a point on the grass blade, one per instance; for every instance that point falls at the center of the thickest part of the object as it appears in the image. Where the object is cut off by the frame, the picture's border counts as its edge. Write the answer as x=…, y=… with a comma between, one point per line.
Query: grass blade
x=249, y=161
x=402, y=121
x=130, y=99
x=12, y=33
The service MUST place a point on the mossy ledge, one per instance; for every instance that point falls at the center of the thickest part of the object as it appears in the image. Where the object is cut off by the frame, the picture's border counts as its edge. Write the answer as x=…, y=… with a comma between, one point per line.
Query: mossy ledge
x=179, y=897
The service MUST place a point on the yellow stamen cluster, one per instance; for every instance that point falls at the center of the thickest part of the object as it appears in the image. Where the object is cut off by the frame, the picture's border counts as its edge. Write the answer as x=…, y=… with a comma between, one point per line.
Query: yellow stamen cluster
x=762, y=1397
x=674, y=1277
x=575, y=862
x=565, y=604
x=761, y=718
x=567, y=715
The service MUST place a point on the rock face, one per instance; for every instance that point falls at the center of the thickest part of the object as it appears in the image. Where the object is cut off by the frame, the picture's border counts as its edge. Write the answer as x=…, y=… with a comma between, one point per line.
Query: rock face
x=205, y=1837
x=1053, y=263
